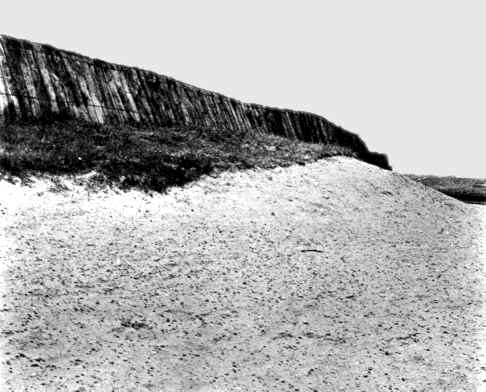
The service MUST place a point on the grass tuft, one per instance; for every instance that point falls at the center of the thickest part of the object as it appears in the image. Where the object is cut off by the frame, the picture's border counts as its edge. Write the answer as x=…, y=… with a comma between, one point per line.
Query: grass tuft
x=150, y=158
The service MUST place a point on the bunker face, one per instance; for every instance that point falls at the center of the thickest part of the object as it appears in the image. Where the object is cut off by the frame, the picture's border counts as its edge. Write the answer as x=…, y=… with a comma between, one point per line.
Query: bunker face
x=333, y=275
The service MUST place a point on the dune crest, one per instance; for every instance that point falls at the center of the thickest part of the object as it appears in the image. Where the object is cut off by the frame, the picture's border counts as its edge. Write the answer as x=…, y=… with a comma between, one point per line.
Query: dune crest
x=331, y=275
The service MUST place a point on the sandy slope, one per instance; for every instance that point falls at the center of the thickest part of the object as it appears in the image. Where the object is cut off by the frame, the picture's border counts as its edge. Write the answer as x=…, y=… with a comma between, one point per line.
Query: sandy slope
x=331, y=276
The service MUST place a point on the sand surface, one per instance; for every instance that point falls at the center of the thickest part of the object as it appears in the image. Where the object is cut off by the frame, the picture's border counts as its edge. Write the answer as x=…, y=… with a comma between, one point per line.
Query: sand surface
x=335, y=276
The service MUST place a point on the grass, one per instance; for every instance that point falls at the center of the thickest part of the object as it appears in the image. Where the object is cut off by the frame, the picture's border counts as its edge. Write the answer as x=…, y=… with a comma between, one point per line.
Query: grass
x=469, y=190
x=149, y=159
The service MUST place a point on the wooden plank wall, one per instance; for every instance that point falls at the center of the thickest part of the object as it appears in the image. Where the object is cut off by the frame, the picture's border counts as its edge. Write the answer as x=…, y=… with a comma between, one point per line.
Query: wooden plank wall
x=37, y=79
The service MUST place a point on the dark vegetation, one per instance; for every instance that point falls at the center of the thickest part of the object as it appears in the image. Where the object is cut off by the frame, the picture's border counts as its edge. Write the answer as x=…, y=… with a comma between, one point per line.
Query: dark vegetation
x=147, y=158
x=469, y=190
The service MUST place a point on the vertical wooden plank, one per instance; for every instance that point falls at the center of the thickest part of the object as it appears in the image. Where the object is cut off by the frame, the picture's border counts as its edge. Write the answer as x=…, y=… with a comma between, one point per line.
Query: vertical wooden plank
x=309, y=127
x=179, y=104
x=107, y=103
x=147, y=82
x=73, y=86
x=248, y=116
x=255, y=119
x=11, y=110
x=140, y=96
x=216, y=110
x=238, y=113
x=94, y=91
x=46, y=82
x=259, y=117
x=316, y=129
x=295, y=118
x=193, y=106
x=112, y=87
x=127, y=96
x=60, y=83
x=289, y=129
x=27, y=73
x=142, y=99
x=206, y=112
x=88, y=98
x=13, y=55
x=219, y=113
x=200, y=111
x=117, y=93
x=243, y=108
x=87, y=88
x=208, y=109
x=321, y=131
x=165, y=99
x=3, y=97
x=184, y=102
x=40, y=95
x=173, y=101
x=230, y=115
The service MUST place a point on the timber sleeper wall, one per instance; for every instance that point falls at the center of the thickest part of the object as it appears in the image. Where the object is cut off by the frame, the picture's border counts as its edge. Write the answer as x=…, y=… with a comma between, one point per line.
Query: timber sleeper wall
x=38, y=80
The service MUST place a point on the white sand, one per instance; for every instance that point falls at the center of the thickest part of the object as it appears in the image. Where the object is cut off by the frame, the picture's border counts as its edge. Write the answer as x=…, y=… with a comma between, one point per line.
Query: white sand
x=326, y=277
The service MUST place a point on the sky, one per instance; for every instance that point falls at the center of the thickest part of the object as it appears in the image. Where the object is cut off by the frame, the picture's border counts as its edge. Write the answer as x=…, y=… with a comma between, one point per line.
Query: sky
x=409, y=77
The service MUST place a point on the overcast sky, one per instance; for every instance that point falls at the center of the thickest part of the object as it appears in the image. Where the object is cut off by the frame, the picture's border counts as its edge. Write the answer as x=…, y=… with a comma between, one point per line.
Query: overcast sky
x=408, y=76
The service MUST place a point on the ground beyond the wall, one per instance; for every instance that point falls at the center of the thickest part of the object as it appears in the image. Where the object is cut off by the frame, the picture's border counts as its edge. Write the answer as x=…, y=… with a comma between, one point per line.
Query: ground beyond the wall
x=469, y=190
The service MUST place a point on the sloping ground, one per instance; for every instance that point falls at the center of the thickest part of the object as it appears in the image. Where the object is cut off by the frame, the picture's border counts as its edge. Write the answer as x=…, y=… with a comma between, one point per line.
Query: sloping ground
x=469, y=190
x=331, y=276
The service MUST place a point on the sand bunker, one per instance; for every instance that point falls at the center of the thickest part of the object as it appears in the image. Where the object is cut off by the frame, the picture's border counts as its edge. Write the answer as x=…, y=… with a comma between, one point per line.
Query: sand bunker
x=332, y=276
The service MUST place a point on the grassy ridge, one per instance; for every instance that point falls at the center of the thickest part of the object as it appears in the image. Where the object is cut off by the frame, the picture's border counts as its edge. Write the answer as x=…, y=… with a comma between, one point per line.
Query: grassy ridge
x=469, y=190
x=152, y=158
